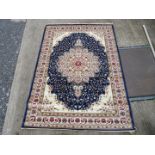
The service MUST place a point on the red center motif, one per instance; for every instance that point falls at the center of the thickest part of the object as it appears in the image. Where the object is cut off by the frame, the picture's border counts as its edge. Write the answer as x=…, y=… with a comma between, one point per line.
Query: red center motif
x=78, y=63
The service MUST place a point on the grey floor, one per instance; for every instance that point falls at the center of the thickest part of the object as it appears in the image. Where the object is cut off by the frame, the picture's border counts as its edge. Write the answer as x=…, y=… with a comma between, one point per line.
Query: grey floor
x=128, y=33
x=10, y=39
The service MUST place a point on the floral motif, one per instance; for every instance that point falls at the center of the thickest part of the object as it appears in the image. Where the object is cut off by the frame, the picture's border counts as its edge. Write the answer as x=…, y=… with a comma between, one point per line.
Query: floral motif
x=78, y=71
x=78, y=65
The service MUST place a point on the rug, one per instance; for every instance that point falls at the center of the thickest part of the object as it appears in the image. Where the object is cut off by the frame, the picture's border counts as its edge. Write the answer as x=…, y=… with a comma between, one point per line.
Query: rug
x=78, y=81
x=139, y=69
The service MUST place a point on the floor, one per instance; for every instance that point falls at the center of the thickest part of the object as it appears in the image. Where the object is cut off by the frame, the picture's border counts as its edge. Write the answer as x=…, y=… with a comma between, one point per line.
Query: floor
x=10, y=38
x=128, y=33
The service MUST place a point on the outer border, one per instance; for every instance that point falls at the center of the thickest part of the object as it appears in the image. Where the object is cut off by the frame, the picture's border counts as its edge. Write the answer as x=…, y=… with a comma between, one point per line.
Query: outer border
x=130, y=111
x=133, y=124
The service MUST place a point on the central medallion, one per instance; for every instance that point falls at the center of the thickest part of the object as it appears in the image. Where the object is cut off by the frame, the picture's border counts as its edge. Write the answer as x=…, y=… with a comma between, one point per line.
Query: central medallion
x=78, y=71
x=78, y=65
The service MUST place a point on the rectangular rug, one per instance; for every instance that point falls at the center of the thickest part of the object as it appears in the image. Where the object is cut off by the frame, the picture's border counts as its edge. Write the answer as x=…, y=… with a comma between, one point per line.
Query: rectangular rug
x=139, y=69
x=78, y=81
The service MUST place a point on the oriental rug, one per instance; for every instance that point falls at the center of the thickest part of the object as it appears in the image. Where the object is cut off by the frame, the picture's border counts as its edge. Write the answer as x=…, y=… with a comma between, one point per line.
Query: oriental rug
x=78, y=81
